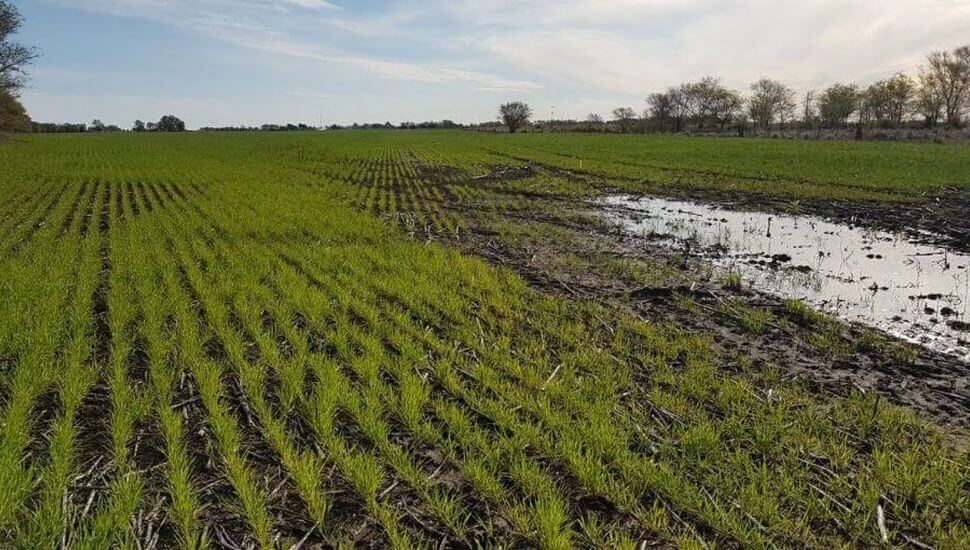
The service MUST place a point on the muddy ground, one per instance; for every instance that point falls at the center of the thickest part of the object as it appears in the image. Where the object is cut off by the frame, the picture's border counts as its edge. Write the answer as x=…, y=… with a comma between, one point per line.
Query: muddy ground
x=939, y=219
x=571, y=252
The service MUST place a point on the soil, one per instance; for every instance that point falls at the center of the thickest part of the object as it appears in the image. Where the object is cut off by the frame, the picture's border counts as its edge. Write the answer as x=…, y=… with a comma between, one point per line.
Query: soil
x=938, y=219
x=941, y=220
x=935, y=385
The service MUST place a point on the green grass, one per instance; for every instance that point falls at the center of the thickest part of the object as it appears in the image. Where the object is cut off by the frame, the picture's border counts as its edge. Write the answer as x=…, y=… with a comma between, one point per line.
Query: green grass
x=797, y=168
x=209, y=336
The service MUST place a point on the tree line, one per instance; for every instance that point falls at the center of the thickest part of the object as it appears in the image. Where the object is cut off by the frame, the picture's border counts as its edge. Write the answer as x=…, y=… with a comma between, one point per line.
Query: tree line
x=939, y=95
x=168, y=123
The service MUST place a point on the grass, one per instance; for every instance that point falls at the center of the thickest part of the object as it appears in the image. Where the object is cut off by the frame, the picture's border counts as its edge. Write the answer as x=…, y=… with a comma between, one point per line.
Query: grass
x=237, y=339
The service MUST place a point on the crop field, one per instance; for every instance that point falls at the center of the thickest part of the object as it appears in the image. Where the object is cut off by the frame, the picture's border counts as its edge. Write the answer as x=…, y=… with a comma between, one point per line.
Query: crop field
x=395, y=339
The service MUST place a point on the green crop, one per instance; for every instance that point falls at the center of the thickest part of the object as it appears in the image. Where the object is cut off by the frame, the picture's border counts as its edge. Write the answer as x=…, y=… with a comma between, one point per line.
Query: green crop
x=241, y=340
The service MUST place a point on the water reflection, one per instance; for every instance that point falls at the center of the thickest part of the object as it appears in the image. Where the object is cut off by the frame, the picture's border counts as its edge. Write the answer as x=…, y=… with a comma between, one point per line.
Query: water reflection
x=917, y=292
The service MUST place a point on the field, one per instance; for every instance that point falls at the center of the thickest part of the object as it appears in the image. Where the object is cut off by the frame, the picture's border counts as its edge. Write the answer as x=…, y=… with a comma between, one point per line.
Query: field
x=423, y=339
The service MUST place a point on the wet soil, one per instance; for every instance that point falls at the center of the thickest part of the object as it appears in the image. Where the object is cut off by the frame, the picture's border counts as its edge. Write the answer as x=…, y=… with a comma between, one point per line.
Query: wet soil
x=935, y=385
x=913, y=291
x=938, y=219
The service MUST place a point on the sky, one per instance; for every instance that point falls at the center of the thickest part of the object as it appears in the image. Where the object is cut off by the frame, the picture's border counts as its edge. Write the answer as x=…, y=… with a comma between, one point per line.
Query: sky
x=232, y=62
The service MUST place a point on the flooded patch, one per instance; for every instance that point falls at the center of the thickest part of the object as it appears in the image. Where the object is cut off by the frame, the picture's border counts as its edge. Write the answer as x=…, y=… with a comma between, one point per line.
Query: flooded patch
x=918, y=292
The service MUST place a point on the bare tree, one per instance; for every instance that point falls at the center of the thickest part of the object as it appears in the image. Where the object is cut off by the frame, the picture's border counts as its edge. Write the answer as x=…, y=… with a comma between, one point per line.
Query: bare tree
x=660, y=108
x=625, y=117
x=947, y=75
x=14, y=57
x=707, y=99
x=593, y=121
x=724, y=106
x=837, y=103
x=515, y=115
x=770, y=101
x=681, y=105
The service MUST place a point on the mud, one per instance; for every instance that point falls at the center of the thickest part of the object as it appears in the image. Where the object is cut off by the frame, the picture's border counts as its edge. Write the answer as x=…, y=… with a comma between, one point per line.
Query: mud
x=939, y=218
x=914, y=291
x=933, y=384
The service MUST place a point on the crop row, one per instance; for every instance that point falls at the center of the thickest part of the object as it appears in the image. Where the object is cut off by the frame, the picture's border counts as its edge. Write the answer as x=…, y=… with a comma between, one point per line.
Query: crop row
x=224, y=351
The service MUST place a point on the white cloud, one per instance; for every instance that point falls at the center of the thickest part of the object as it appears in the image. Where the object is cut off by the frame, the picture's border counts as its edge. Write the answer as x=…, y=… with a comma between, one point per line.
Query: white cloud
x=242, y=27
x=576, y=54
x=312, y=4
x=633, y=46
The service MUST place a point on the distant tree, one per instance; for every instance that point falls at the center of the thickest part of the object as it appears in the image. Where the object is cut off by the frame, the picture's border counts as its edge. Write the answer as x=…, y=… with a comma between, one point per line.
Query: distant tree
x=625, y=117
x=139, y=126
x=14, y=57
x=151, y=127
x=13, y=116
x=170, y=123
x=515, y=115
x=660, y=108
x=714, y=103
x=96, y=126
x=886, y=102
x=928, y=103
x=593, y=122
x=770, y=102
x=947, y=76
x=711, y=102
x=682, y=105
x=838, y=103
x=900, y=91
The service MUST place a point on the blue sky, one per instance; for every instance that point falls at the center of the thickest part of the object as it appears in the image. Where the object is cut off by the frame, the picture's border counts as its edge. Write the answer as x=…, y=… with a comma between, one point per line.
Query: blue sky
x=216, y=62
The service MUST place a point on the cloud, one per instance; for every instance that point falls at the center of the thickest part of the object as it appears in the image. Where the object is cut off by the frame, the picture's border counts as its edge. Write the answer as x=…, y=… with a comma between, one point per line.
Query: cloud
x=576, y=54
x=394, y=70
x=312, y=4
x=242, y=27
x=634, y=46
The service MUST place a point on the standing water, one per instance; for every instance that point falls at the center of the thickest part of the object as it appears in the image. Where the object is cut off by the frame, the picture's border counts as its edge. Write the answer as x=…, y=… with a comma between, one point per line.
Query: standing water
x=918, y=292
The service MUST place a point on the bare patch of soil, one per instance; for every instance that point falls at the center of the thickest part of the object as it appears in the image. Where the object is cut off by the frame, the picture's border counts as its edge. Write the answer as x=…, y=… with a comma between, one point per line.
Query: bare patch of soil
x=933, y=384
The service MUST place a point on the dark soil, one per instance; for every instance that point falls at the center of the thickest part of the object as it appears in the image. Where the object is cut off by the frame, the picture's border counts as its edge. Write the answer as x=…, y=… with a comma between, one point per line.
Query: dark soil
x=935, y=385
x=938, y=219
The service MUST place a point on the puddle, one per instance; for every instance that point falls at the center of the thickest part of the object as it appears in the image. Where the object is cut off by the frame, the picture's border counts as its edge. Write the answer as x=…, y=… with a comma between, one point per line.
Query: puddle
x=918, y=292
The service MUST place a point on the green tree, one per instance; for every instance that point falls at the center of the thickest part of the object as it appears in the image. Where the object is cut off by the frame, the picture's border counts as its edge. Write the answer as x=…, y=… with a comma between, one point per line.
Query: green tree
x=13, y=116
x=838, y=103
x=515, y=115
x=887, y=102
x=170, y=123
x=14, y=57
